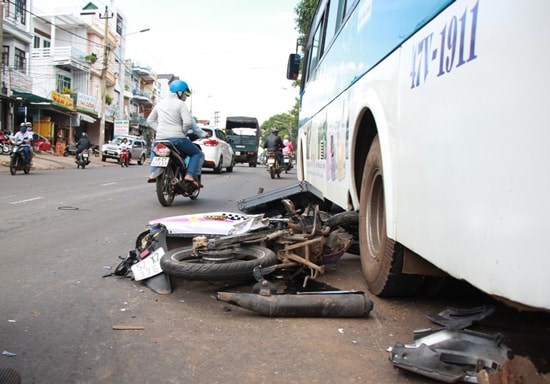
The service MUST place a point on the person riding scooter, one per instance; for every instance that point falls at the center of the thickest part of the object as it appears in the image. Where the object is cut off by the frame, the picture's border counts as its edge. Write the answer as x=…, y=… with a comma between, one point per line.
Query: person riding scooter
x=24, y=136
x=274, y=143
x=82, y=144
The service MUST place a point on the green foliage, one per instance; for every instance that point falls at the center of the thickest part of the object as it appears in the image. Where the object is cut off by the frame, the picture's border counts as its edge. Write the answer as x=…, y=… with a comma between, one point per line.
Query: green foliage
x=108, y=99
x=287, y=123
x=304, y=15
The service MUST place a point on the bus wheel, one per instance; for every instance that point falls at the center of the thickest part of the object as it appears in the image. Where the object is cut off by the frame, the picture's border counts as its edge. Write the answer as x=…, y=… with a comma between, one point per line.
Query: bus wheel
x=381, y=257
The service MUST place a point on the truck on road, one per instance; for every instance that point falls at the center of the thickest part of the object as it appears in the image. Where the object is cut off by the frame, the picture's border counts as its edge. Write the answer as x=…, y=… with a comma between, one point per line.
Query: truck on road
x=243, y=133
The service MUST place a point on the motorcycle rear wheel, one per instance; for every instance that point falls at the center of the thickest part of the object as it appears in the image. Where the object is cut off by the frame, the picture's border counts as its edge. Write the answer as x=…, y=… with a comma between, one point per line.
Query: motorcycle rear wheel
x=165, y=191
x=235, y=264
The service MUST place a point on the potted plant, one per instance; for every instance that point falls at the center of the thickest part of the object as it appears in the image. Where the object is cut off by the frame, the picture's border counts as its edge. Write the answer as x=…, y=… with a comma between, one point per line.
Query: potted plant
x=92, y=58
x=108, y=99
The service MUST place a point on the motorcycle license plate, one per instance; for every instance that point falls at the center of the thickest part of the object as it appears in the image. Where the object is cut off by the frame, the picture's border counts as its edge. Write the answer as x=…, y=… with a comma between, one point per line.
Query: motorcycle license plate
x=271, y=161
x=160, y=161
x=148, y=267
x=238, y=153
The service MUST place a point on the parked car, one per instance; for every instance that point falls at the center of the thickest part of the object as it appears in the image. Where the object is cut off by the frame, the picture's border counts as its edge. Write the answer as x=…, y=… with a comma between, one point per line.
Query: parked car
x=218, y=153
x=40, y=143
x=111, y=150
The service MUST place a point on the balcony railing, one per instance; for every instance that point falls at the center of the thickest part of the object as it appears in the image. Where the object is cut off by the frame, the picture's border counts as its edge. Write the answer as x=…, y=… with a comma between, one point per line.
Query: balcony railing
x=62, y=56
x=140, y=96
x=137, y=119
x=143, y=71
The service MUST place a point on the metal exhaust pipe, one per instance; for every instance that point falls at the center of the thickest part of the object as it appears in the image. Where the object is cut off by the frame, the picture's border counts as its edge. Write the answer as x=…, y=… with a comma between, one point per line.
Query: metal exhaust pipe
x=356, y=304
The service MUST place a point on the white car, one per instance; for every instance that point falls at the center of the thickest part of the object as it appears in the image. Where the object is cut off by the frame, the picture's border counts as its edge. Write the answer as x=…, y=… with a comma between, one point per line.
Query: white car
x=218, y=153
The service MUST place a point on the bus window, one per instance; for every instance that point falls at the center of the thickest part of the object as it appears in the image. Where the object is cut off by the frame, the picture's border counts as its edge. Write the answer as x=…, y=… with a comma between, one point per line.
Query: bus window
x=316, y=49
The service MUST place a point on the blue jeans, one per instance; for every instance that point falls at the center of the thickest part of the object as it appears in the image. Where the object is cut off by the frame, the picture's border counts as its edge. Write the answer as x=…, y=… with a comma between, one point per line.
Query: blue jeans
x=186, y=147
x=26, y=153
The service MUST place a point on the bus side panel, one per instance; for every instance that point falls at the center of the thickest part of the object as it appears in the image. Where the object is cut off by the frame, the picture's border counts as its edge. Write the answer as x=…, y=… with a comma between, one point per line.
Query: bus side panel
x=473, y=187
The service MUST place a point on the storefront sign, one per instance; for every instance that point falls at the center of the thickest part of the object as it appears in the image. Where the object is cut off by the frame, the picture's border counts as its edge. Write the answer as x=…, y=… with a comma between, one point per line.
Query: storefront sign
x=121, y=127
x=62, y=100
x=86, y=103
x=20, y=82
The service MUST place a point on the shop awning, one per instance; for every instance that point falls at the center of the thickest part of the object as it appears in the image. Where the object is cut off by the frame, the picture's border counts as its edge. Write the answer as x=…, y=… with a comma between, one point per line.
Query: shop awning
x=42, y=102
x=31, y=97
x=86, y=118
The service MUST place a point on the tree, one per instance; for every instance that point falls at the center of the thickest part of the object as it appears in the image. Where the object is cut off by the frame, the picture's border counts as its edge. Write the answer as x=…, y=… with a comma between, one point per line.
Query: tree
x=287, y=123
x=304, y=15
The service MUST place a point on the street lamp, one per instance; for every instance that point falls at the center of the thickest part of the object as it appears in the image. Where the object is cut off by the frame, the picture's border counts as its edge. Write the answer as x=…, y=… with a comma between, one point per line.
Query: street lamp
x=140, y=31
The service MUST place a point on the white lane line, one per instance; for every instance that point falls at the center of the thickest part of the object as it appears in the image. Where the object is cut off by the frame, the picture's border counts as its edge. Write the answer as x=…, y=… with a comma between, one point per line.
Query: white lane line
x=111, y=183
x=27, y=200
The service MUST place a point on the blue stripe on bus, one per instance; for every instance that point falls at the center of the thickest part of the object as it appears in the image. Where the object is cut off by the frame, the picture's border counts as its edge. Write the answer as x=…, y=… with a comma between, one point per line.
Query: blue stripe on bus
x=374, y=30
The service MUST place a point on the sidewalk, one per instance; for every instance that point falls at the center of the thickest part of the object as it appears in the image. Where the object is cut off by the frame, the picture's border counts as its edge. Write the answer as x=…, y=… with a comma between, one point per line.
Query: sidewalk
x=46, y=160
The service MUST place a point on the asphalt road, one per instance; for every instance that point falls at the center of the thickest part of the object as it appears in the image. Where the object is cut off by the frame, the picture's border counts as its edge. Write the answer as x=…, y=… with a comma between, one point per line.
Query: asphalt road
x=62, y=230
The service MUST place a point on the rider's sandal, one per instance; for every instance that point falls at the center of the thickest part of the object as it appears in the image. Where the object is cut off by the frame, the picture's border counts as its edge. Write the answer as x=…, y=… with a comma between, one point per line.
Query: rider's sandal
x=194, y=181
x=151, y=179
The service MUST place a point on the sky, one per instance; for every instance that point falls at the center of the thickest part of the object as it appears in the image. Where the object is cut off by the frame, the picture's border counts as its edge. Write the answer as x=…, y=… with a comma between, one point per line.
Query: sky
x=232, y=53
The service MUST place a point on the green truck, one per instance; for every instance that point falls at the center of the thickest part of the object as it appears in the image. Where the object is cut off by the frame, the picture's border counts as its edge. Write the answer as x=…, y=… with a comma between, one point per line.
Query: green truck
x=243, y=133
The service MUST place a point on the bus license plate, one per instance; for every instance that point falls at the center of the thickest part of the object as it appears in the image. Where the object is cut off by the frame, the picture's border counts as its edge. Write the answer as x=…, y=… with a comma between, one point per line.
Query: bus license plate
x=148, y=267
x=160, y=161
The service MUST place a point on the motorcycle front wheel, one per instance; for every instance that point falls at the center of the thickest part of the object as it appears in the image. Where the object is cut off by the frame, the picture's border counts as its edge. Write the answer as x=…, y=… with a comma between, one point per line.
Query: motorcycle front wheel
x=230, y=264
x=13, y=166
x=165, y=191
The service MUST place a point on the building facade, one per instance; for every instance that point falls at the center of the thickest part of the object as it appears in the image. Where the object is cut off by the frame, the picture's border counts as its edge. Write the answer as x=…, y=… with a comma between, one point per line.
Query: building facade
x=67, y=74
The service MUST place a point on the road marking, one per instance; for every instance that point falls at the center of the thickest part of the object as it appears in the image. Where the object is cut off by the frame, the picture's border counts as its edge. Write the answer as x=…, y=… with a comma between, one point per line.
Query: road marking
x=111, y=183
x=27, y=200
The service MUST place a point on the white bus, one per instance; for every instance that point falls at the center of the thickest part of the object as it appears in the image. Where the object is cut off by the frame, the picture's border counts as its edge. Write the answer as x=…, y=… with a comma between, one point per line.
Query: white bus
x=431, y=119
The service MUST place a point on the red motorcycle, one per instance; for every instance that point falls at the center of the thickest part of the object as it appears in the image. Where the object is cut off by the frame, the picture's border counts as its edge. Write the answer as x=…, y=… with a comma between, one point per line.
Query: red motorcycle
x=124, y=159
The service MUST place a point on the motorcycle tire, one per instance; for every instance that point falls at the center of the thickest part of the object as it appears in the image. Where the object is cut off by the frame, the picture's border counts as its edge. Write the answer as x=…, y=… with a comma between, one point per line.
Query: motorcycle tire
x=165, y=191
x=13, y=166
x=272, y=172
x=236, y=264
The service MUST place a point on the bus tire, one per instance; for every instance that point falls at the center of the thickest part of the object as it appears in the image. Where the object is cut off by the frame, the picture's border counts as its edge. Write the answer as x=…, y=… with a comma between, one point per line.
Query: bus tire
x=381, y=257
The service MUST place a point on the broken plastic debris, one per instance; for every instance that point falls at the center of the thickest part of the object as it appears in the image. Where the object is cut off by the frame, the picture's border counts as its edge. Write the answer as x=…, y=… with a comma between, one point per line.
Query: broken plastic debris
x=460, y=318
x=10, y=354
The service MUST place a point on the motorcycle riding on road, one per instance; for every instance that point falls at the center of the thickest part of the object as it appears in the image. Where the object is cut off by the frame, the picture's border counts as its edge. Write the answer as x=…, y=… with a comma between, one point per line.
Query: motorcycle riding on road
x=171, y=168
x=17, y=157
x=273, y=164
x=124, y=157
x=83, y=159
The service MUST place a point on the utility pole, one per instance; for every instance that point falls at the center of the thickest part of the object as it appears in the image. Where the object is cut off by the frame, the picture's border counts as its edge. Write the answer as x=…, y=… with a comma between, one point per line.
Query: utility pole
x=103, y=90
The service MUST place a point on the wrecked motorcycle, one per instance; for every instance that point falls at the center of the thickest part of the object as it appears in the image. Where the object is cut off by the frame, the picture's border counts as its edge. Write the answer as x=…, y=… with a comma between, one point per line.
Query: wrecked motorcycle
x=231, y=245
x=280, y=231
x=170, y=172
